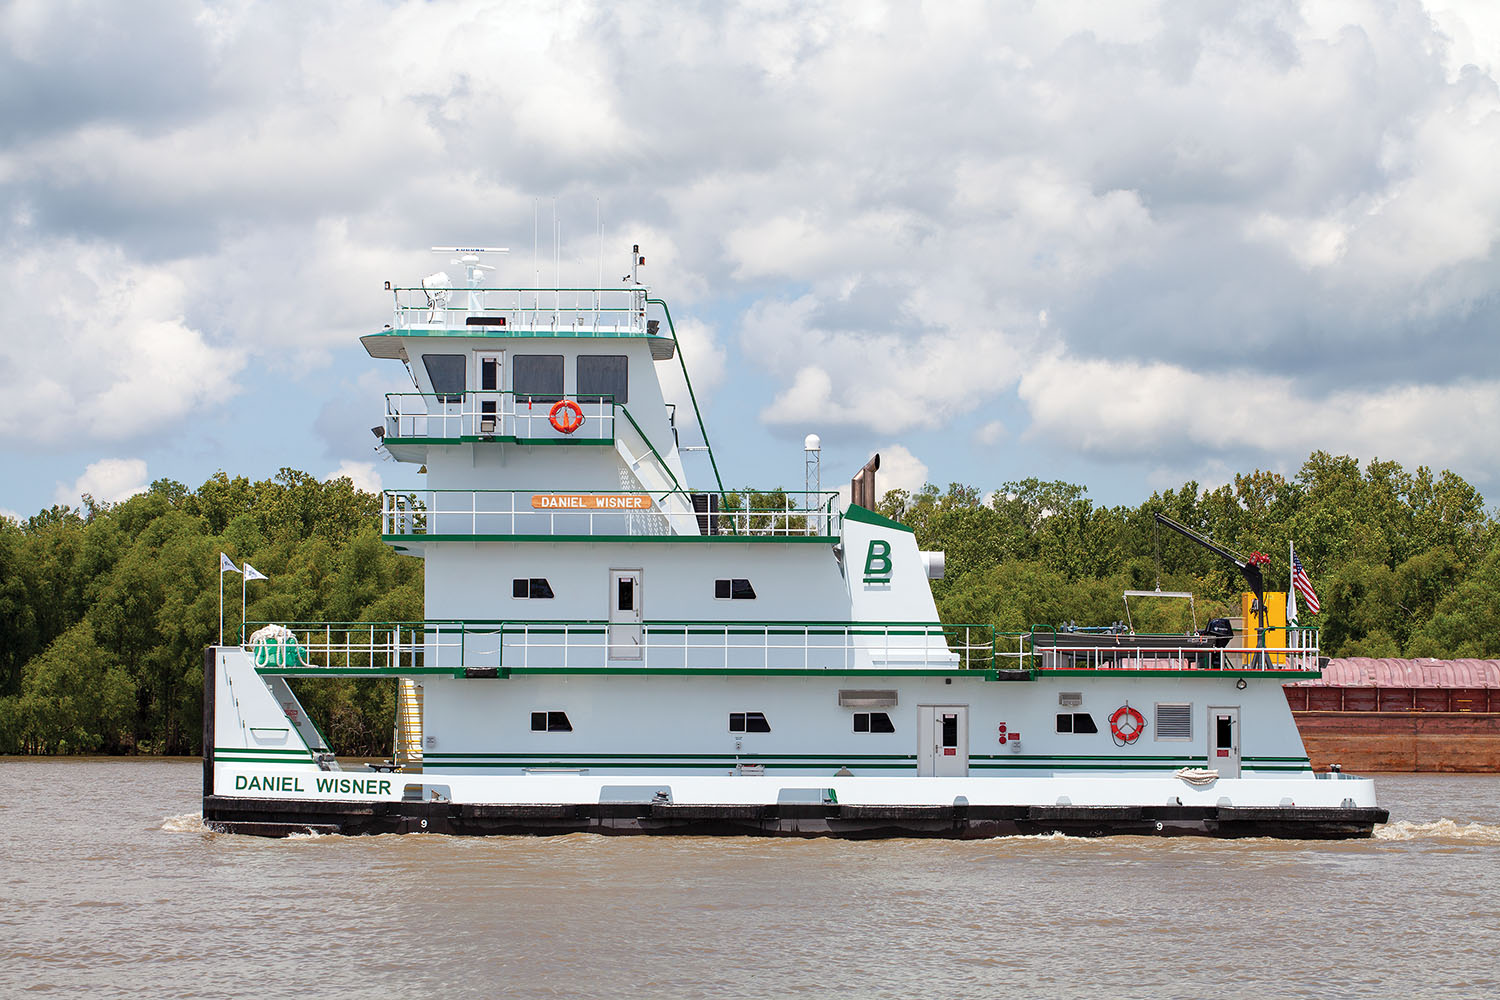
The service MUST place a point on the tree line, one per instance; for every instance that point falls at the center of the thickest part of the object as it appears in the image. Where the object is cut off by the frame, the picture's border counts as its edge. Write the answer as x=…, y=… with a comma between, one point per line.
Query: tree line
x=105, y=609
x=1403, y=563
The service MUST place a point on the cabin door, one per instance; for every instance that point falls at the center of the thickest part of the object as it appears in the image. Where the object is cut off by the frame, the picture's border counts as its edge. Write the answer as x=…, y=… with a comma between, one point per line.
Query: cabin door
x=1224, y=741
x=626, y=634
x=943, y=741
x=488, y=403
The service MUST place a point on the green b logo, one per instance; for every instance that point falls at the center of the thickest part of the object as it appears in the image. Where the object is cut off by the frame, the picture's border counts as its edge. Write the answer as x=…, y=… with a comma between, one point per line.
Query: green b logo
x=878, y=562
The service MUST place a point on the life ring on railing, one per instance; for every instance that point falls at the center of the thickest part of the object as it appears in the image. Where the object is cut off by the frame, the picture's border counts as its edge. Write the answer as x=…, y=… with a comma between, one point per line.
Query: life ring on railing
x=558, y=416
x=1126, y=725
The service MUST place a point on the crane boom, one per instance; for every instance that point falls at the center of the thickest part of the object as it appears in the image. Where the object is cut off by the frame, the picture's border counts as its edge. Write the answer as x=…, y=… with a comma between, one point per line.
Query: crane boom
x=1250, y=572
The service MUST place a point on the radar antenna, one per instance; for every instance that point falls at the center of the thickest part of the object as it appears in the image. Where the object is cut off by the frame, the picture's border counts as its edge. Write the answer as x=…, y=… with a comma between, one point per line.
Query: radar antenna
x=469, y=258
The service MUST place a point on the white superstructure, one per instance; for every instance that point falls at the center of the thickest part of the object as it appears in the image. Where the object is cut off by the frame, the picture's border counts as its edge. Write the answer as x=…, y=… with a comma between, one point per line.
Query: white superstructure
x=609, y=647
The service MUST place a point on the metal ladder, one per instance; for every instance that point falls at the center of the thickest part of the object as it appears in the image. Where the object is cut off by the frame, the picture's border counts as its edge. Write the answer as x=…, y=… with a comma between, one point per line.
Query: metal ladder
x=408, y=738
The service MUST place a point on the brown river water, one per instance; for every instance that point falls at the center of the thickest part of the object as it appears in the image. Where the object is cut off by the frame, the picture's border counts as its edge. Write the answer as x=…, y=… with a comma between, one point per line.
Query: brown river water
x=111, y=887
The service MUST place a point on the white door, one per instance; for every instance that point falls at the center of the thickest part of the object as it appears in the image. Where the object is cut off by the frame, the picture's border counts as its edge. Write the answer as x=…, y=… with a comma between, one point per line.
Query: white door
x=626, y=636
x=943, y=741
x=487, y=403
x=1224, y=741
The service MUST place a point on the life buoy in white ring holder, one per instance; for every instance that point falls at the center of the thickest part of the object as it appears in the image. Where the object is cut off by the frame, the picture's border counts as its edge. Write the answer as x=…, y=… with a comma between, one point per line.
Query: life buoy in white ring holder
x=565, y=416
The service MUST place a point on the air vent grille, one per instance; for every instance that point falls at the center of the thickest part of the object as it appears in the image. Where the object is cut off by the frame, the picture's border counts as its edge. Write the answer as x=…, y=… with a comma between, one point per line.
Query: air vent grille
x=1070, y=699
x=1174, y=722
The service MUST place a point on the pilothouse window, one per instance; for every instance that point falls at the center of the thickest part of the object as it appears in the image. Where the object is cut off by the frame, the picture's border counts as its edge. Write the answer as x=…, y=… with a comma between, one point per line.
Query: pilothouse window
x=537, y=377
x=603, y=375
x=446, y=372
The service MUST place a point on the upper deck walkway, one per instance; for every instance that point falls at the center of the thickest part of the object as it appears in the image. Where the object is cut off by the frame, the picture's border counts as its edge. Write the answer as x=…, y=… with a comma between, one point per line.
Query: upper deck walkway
x=620, y=515
x=502, y=648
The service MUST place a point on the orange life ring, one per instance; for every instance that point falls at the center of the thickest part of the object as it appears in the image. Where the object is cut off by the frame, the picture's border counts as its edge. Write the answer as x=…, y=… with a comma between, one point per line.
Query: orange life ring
x=1135, y=724
x=566, y=406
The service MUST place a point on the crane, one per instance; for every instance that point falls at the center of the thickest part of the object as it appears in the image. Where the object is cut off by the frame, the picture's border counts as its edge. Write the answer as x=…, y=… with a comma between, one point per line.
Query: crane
x=1249, y=571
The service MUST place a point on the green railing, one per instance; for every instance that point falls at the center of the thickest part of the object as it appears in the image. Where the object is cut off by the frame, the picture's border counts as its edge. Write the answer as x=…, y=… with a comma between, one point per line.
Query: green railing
x=458, y=646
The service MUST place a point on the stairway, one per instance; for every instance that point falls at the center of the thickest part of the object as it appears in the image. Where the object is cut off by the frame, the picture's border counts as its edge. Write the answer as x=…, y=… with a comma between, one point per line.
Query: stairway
x=408, y=741
x=652, y=473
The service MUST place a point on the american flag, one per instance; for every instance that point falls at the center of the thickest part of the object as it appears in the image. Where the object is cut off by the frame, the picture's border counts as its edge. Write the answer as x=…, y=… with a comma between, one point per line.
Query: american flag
x=1303, y=585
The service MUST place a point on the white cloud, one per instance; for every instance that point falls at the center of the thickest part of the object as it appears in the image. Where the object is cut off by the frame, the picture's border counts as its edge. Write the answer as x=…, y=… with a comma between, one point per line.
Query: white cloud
x=364, y=475
x=103, y=352
x=1153, y=188
x=108, y=480
x=7, y=512
x=705, y=360
x=991, y=433
x=1132, y=410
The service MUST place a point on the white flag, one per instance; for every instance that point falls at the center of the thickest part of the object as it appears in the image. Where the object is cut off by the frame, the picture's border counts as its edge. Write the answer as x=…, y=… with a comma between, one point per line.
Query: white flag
x=1291, y=607
x=226, y=565
x=251, y=573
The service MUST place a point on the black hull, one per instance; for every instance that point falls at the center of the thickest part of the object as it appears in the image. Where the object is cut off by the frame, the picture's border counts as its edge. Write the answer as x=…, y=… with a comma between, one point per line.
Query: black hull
x=284, y=817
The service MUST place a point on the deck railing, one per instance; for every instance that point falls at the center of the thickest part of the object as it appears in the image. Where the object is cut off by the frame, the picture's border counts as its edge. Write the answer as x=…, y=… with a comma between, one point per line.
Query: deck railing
x=618, y=513
x=580, y=311
x=1293, y=650
x=683, y=645
x=479, y=415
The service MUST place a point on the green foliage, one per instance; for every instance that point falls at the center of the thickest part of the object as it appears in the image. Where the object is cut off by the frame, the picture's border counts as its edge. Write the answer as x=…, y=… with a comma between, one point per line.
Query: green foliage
x=105, y=611
x=1404, y=563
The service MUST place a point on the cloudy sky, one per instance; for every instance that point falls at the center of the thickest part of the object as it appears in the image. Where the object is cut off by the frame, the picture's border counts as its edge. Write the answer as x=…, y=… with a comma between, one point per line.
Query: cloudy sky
x=1123, y=244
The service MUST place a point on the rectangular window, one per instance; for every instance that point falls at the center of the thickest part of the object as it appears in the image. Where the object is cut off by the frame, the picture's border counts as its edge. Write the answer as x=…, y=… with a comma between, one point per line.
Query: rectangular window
x=550, y=722
x=535, y=588
x=602, y=376
x=1174, y=722
x=748, y=722
x=1065, y=722
x=873, y=722
x=446, y=372
x=733, y=590
x=537, y=377
x=489, y=374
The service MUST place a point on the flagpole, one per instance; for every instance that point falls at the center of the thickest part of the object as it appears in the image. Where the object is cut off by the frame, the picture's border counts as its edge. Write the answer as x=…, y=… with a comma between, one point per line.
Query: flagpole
x=243, y=574
x=221, y=600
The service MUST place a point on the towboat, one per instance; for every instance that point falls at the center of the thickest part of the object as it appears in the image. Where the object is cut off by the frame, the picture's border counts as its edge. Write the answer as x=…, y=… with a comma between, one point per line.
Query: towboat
x=612, y=649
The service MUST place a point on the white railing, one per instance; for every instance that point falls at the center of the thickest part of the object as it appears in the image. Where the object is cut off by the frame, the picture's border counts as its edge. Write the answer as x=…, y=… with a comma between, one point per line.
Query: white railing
x=456, y=646
x=619, y=513
x=1076, y=652
x=582, y=311
x=491, y=414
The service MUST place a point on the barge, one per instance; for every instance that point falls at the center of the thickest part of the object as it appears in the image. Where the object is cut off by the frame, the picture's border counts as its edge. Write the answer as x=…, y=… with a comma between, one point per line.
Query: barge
x=610, y=649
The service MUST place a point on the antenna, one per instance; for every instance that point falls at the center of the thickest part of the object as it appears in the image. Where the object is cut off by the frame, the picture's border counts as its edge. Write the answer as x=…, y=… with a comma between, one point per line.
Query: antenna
x=812, y=453
x=469, y=258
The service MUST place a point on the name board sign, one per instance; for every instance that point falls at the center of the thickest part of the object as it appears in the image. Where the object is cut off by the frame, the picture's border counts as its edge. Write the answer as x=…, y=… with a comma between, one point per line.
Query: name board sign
x=590, y=501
